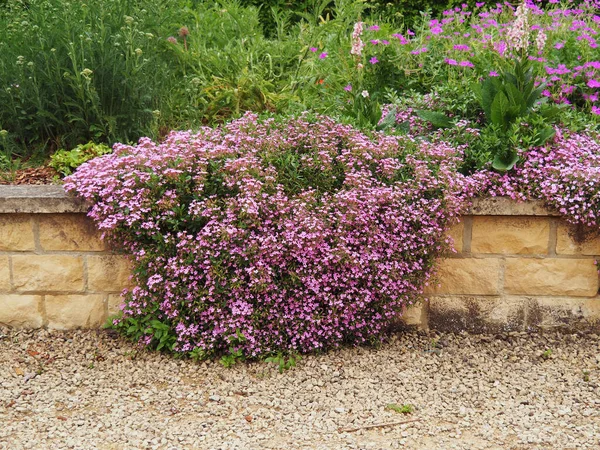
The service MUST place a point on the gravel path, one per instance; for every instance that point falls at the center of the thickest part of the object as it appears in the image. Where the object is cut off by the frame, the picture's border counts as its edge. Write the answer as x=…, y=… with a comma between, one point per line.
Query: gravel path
x=91, y=390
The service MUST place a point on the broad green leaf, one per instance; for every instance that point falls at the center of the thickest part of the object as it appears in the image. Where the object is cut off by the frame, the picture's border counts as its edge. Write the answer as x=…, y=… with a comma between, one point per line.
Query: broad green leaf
x=505, y=162
x=488, y=93
x=545, y=134
x=500, y=110
x=389, y=120
x=437, y=119
x=516, y=99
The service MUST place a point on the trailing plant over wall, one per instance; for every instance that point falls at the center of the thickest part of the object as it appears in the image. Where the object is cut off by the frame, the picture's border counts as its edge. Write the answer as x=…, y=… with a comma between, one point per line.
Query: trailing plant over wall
x=266, y=235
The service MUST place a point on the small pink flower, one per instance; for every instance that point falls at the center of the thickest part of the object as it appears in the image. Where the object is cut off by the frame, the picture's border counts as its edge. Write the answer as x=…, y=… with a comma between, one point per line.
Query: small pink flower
x=452, y=62
x=493, y=73
x=596, y=110
x=374, y=28
x=172, y=40
x=323, y=55
x=374, y=60
x=314, y=49
x=466, y=64
x=559, y=45
x=593, y=83
x=348, y=88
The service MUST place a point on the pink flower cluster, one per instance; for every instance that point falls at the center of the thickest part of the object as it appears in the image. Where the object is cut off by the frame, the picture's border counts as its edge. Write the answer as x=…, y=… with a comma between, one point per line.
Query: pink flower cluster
x=565, y=174
x=298, y=234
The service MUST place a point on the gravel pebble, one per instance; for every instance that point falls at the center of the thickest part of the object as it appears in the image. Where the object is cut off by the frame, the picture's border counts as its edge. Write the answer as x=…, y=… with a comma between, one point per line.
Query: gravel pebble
x=89, y=389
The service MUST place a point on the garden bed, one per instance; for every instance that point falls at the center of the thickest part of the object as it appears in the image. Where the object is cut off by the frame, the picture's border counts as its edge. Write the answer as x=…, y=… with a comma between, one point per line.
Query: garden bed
x=517, y=267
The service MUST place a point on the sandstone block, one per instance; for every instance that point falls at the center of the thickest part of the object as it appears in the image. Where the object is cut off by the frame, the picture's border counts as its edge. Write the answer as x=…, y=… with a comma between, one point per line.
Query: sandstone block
x=510, y=235
x=551, y=276
x=566, y=244
x=108, y=273
x=456, y=233
x=75, y=311
x=476, y=314
x=472, y=276
x=20, y=311
x=415, y=315
x=114, y=303
x=572, y=312
x=69, y=232
x=48, y=273
x=4, y=273
x=16, y=233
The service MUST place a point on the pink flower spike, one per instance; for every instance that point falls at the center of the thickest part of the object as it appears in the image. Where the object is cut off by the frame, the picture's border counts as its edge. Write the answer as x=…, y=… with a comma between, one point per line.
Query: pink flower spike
x=323, y=55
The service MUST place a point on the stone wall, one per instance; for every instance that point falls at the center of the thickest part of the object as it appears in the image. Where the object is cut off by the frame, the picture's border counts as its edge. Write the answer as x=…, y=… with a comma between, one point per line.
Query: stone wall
x=55, y=272
x=517, y=267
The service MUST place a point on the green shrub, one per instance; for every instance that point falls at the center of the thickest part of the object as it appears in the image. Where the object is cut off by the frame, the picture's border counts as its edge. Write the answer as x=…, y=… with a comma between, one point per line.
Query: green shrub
x=66, y=161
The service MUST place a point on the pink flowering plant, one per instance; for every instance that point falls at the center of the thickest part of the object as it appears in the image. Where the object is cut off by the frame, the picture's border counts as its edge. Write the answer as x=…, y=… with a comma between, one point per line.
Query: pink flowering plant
x=268, y=235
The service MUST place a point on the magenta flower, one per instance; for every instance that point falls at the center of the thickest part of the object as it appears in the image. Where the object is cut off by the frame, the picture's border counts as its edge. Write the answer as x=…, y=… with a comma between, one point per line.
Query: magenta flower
x=466, y=64
x=593, y=83
x=313, y=49
x=596, y=110
x=323, y=55
x=374, y=28
x=493, y=73
x=559, y=45
x=374, y=60
x=348, y=88
x=452, y=62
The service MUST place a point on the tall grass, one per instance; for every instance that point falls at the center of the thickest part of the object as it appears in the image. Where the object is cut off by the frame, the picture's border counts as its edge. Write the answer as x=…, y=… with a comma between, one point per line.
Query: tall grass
x=73, y=71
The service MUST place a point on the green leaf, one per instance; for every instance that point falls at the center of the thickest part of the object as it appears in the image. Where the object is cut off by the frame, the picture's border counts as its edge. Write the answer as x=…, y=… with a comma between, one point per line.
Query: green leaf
x=517, y=102
x=500, y=110
x=489, y=89
x=437, y=119
x=505, y=162
x=545, y=134
x=389, y=120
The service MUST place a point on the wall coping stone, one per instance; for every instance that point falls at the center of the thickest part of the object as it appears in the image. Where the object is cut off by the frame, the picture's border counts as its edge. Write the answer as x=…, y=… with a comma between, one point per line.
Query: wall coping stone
x=54, y=199
x=39, y=199
x=505, y=206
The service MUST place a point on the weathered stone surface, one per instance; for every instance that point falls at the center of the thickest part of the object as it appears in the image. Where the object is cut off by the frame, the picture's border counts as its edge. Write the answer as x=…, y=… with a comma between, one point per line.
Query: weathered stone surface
x=456, y=233
x=108, y=273
x=570, y=312
x=476, y=314
x=472, y=276
x=20, y=311
x=566, y=243
x=69, y=232
x=4, y=273
x=75, y=311
x=114, y=303
x=510, y=235
x=48, y=273
x=16, y=233
x=415, y=315
x=551, y=276
x=504, y=206
x=38, y=199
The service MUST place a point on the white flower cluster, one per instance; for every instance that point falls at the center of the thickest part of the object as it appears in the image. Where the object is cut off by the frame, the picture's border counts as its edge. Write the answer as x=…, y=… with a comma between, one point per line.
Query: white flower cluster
x=357, y=44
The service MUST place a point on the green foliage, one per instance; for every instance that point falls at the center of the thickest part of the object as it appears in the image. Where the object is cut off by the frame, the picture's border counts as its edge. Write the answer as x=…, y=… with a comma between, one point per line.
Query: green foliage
x=66, y=161
x=235, y=354
x=508, y=100
x=547, y=354
x=401, y=409
x=284, y=362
